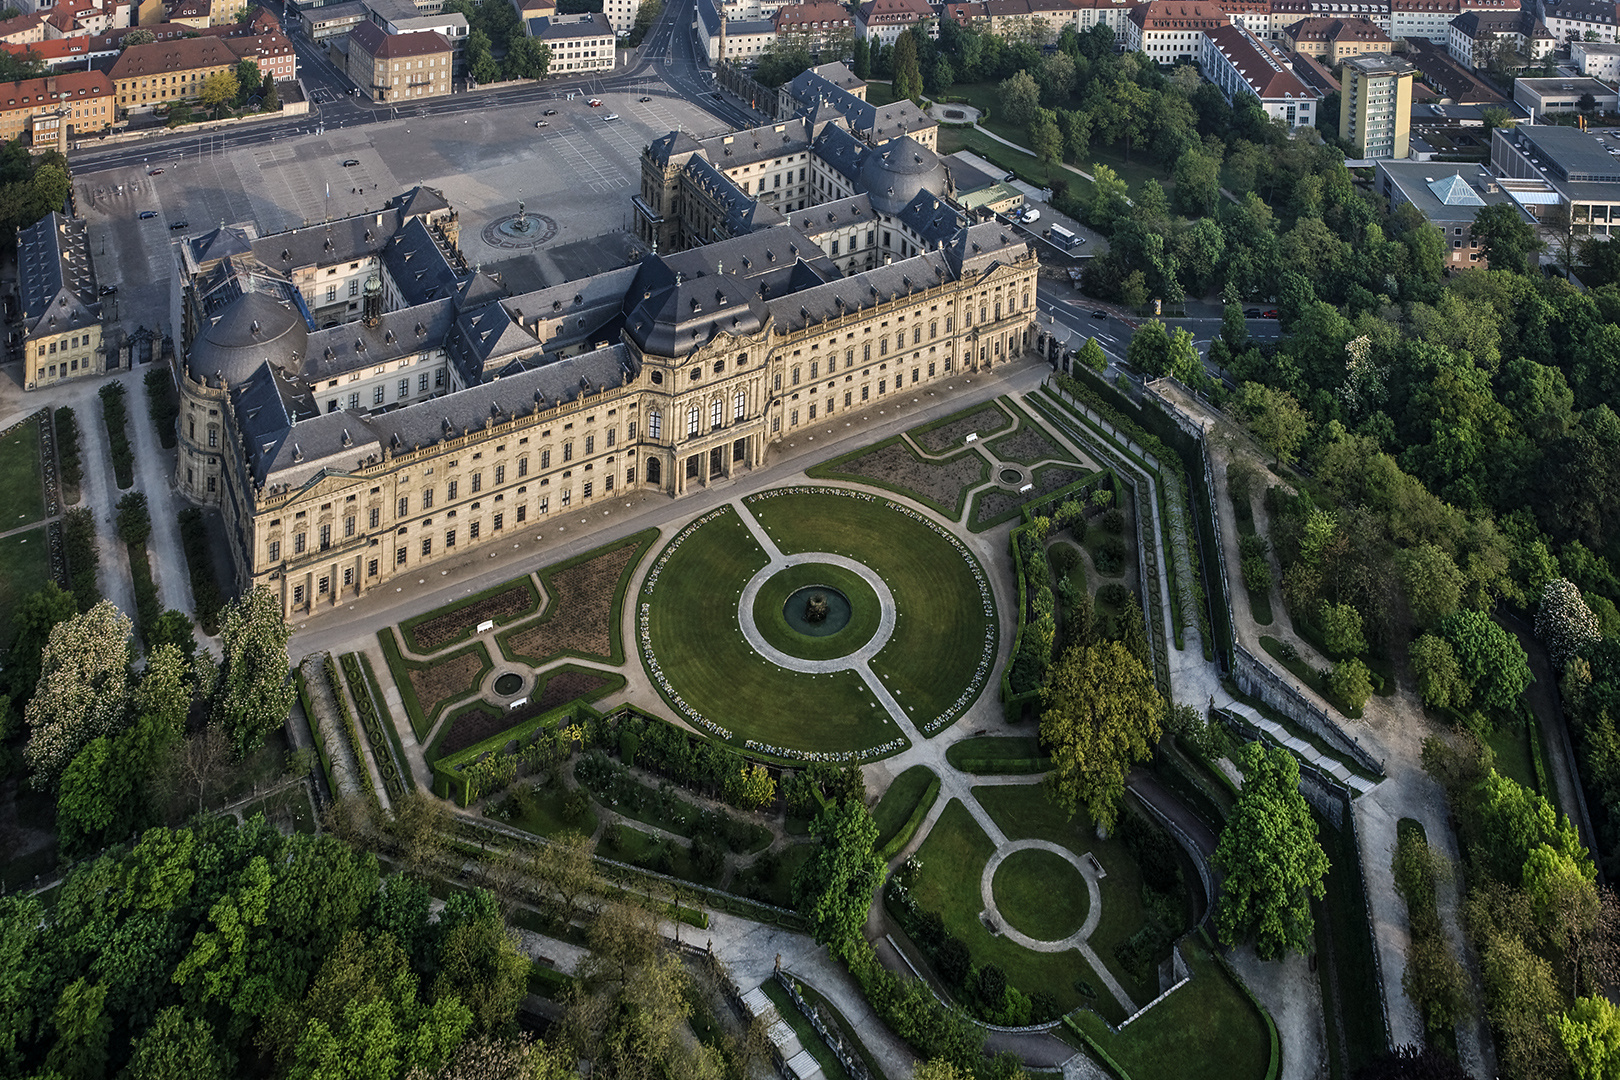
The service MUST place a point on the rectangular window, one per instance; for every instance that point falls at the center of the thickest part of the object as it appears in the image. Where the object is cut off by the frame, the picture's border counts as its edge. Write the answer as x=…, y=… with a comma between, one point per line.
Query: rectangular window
x=298, y=595
x=371, y=568
x=404, y=506
x=427, y=545
x=612, y=434
x=326, y=537
x=523, y=512
x=404, y=388
x=500, y=523
x=523, y=466
x=438, y=378
x=421, y=383
x=477, y=482
x=866, y=392
x=630, y=430
x=376, y=513
x=590, y=444
x=500, y=474
x=298, y=543
x=567, y=496
x=472, y=531
x=568, y=451
x=588, y=486
x=450, y=538
x=883, y=346
x=354, y=400
x=427, y=499
x=348, y=576
x=323, y=584
x=275, y=551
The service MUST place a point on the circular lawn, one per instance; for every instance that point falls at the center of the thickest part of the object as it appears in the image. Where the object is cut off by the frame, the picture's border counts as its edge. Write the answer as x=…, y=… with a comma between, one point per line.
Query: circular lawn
x=1041, y=894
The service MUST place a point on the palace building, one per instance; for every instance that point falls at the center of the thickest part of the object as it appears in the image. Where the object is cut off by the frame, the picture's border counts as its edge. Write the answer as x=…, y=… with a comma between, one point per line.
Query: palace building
x=361, y=404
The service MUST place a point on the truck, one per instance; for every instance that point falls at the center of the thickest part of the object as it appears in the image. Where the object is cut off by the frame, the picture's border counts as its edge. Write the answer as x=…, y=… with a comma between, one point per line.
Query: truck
x=1063, y=238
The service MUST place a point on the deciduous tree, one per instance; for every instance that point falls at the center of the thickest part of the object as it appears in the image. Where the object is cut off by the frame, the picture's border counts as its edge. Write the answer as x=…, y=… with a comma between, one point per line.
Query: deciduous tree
x=83, y=689
x=1563, y=621
x=1274, y=418
x=1273, y=863
x=833, y=889
x=1100, y=714
x=255, y=694
x=1492, y=660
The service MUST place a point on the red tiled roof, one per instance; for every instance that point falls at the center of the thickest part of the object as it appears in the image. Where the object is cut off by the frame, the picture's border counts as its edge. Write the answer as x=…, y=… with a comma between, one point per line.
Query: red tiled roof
x=377, y=42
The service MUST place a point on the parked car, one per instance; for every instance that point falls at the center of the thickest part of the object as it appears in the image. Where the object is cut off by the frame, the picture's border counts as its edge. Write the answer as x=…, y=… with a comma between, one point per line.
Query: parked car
x=1031, y=214
x=551, y=112
x=1271, y=313
x=350, y=163
x=181, y=224
x=595, y=103
x=108, y=290
x=148, y=214
x=1099, y=314
x=155, y=172
x=611, y=116
x=646, y=97
x=1251, y=313
x=541, y=123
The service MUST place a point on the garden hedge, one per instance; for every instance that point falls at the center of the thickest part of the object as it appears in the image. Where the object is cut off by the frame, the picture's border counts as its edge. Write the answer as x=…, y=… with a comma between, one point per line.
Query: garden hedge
x=900, y=839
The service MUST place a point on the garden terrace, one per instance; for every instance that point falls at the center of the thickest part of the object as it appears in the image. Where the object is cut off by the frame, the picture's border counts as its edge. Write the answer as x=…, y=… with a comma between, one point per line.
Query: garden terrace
x=482, y=720
x=893, y=465
x=993, y=506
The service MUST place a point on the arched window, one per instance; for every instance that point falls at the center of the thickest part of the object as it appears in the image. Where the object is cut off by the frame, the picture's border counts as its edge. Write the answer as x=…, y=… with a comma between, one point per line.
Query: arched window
x=694, y=417
x=655, y=427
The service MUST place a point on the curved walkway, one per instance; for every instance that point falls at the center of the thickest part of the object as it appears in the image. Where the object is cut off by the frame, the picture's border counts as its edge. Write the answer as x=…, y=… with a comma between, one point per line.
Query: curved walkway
x=1088, y=870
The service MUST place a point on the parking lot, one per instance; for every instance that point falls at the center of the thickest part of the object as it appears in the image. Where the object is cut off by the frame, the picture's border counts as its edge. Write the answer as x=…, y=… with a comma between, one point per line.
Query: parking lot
x=579, y=171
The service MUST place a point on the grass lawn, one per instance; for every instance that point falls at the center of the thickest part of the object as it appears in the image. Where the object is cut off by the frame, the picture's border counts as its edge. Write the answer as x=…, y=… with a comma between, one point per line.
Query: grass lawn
x=942, y=636
x=1025, y=811
x=865, y=611
x=1041, y=893
x=897, y=804
x=638, y=849
x=830, y=1065
x=1306, y=674
x=1510, y=741
x=990, y=754
x=774, y=888
x=25, y=566
x=692, y=622
x=1027, y=166
x=22, y=489
x=1207, y=1028
x=953, y=857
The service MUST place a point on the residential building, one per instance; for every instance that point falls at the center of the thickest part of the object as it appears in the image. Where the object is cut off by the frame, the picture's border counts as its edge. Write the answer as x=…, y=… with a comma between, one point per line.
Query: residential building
x=621, y=14
x=1333, y=40
x=164, y=72
x=1375, y=111
x=1596, y=59
x=1172, y=30
x=399, y=67
x=1477, y=38
x=1575, y=20
x=1287, y=12
x=403, y=17
x=273, y=54
x=49, y=112
x=197, y=14
x=577, y=42
x=61, y=306
x=444, y=414
x=885, y=20
x=36, y=27
x=1240, y=64
x=818, y=27
x=1547, y=168
x=1543, y=96
x=1448, y=196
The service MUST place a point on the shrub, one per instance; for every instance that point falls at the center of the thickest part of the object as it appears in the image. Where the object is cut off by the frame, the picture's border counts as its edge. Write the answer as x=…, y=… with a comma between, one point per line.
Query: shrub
x=200, y=566
x=1109, y=555
x=1252, y=545
x=79, y=545
x=1113, y=520
x=134, y=519
x=162, y=405
x=1257, y=574
x=1351, y=683
x=116, y=417
x=1065, y=557
x=1114, y=595
x=67, y=453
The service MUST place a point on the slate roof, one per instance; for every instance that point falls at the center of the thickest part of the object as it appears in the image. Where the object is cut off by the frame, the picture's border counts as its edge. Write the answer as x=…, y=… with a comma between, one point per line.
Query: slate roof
x=54, y=275
x=345, y=239
x=338, y=350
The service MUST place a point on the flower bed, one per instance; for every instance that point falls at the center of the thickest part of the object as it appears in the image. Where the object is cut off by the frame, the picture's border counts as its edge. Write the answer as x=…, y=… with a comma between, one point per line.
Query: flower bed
x=952, y=430
x=584, y=600
x=482, y=720
x=428, y=686
x=941, y=485
x=993, y=507
x=437, y=629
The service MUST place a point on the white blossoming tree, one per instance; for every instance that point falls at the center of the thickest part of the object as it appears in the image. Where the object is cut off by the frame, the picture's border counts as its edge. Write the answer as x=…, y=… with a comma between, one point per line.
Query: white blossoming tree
x=1563, y=622
x=83, y=689
x=255, y=693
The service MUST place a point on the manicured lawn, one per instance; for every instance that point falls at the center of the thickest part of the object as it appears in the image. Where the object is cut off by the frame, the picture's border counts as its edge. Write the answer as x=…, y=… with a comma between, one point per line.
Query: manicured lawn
x=1259, y=602
x=865, y=611
x=942, y=636
x=1041, y=893
x=897, y=804
x=1025, y=811
x=692, y=621
x=998, y=754
x=952, y=858
x=1208, y=1028
x=1341, y=921
x=1027, y=166
x=25, y=566
x=22, y=490
x=1510, y=742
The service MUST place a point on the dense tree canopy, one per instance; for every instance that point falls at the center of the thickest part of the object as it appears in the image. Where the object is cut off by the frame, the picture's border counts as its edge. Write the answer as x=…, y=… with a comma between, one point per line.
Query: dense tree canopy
x=1268, y=851
x=1100, y=714
x=835, y=885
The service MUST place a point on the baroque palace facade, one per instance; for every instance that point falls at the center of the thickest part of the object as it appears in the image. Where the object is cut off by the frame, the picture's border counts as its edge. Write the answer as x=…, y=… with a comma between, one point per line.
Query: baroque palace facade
x=360, y=404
